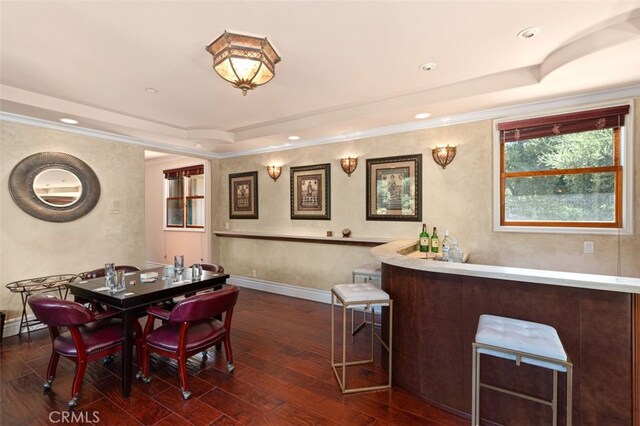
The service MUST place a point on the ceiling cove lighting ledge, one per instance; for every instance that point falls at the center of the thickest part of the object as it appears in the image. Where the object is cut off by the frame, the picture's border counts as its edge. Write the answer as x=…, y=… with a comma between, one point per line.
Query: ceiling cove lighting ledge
x=489, y=114
x=148, y=144
x=520, y=109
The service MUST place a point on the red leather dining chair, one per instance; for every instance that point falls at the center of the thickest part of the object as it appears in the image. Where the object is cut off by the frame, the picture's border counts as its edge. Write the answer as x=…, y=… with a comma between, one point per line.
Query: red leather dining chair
x=190, y=328
x=171, y=303
x=98, y=273
x=89, y=336
x=212, y=267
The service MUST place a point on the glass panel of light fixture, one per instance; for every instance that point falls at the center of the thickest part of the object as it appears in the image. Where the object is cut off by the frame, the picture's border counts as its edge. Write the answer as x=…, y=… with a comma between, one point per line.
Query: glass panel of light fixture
x=225, y=71
x=264, y=75
x=245, y=68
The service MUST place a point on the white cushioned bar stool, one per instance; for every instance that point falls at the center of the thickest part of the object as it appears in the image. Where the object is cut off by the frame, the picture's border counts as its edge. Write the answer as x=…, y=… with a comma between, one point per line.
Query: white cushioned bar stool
x=368, y=272
x=349, y=296
x=521, y=341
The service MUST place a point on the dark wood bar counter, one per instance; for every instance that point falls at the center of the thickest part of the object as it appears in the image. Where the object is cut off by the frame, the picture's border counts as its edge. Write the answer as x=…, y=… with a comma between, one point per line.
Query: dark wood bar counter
x=436, y=311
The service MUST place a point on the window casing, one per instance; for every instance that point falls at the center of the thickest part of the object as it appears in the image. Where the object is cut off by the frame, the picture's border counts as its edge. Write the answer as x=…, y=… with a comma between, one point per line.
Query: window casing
x=563, y=171
x=185, y=197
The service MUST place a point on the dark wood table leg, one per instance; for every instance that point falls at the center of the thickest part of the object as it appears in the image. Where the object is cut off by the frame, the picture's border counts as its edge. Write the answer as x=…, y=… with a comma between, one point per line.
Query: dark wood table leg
x=127, y=351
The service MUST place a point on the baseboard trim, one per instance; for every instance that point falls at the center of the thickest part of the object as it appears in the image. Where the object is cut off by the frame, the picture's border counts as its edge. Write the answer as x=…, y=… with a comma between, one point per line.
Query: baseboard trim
x=12, y=326
x=314, y=294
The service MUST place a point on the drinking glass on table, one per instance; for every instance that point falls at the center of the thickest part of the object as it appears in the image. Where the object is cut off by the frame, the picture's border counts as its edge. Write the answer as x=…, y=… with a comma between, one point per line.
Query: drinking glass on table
x=110, y=275
x=196, y=271
x=178, y=263
x=120, y=285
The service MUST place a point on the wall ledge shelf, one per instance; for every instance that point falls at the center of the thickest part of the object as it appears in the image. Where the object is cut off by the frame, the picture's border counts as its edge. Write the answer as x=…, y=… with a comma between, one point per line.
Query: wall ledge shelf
x=350, y=241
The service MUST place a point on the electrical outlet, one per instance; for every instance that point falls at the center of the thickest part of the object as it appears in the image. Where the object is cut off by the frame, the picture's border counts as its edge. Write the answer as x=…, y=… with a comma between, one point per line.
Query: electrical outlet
x=588, y=247
x=253, y=273
x=113, y=231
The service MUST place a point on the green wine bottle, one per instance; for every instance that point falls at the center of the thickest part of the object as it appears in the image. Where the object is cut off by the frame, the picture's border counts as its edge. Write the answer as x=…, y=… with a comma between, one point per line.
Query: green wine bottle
x=435, y=243
x=424, y=239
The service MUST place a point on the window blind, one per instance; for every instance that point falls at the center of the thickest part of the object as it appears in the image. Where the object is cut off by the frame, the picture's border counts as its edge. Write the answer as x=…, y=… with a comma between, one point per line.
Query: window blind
x=595, y=119
x=183, y=171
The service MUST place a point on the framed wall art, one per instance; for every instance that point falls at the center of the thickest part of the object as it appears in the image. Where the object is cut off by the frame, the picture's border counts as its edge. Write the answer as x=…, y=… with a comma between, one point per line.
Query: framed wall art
x=393, y=188
x=243, y=195
x=311, y=192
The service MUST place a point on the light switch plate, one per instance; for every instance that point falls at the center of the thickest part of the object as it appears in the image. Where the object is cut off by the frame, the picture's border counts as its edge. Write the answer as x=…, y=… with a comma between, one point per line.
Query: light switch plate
x=115, y=206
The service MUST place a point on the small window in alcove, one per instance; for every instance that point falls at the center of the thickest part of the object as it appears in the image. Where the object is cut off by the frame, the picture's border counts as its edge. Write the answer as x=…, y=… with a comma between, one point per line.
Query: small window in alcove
x=185, y=197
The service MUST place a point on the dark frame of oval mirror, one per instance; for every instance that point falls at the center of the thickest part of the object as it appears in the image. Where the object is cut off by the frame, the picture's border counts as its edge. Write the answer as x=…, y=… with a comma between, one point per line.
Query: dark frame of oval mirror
x=67, y=187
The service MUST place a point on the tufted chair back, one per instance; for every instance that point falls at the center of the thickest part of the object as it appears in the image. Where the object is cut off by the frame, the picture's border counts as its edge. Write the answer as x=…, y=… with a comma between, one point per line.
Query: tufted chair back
x=97, y=273
x=206, y=305
x=212, y=267
x=59, y=312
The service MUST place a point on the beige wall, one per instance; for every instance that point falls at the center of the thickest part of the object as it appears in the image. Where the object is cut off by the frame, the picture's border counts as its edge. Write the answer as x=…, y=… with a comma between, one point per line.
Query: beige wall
x=458, y=198
x=30, y=247
x=161, y=245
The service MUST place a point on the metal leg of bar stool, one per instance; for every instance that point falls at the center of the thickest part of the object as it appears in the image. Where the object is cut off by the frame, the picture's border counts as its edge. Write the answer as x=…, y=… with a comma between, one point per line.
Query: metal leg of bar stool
x=344, y=347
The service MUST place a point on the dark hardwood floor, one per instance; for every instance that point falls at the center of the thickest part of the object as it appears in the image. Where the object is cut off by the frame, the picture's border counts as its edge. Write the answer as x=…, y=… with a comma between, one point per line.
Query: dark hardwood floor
x=283, y=377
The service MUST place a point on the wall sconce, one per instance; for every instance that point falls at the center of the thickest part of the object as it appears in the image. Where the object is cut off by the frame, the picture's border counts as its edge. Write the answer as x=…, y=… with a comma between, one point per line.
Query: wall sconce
x=444, y=155
x=349, y=165
x=274, y=172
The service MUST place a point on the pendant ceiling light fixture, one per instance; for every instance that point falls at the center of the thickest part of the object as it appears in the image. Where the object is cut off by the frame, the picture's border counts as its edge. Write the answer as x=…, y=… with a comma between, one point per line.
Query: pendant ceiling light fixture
x=244, y=61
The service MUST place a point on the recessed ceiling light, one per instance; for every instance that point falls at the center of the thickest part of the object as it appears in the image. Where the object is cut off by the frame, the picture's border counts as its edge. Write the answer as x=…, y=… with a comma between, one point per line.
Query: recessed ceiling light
x=529, y=32
x=69, y=121
x=428, y=66
x=151, y=90
x=422, y=115
x=198, y=145
x=294, y=138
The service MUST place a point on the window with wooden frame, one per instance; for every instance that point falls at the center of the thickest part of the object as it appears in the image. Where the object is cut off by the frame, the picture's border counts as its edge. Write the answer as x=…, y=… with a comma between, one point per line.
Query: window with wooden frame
x=563, y=170
x=185, y=197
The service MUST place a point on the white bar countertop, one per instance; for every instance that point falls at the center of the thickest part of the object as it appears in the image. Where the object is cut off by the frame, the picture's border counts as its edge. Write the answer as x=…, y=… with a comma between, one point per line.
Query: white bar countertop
x=390, y=254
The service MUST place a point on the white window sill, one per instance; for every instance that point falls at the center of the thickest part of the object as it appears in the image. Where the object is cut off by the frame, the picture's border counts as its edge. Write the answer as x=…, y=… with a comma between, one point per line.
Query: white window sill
x=170, y=229
x=563, y=230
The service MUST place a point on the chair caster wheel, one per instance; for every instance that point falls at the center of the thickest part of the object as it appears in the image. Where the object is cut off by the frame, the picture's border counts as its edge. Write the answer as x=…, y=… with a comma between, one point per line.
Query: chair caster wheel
x=107, y=360
x=186, y=395
x=73, y=402
x=139, y=375
x=47, y=386
x=230, y=368
x=146, y=380
x=205, y=354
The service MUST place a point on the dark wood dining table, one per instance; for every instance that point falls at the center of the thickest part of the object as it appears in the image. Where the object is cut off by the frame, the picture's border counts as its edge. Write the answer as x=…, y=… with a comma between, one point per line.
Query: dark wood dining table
x=137, y=296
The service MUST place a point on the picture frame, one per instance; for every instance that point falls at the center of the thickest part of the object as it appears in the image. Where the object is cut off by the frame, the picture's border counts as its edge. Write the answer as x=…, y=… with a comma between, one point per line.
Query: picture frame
x=394, y=191
x=243, y=195
x=311, y=192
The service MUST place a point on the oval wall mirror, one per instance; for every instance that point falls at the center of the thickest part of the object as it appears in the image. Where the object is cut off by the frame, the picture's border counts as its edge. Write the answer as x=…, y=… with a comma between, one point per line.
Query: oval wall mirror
x=54, y=186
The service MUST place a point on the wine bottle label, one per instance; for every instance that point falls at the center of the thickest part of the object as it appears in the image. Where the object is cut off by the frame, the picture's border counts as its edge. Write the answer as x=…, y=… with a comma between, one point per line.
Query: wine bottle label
x=434, y=243
x=424, y=241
